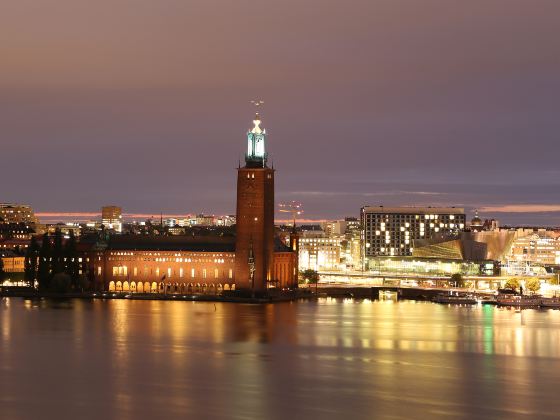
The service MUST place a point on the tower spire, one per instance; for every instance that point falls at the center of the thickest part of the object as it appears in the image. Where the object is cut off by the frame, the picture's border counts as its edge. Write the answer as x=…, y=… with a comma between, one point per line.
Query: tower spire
x=256, y=155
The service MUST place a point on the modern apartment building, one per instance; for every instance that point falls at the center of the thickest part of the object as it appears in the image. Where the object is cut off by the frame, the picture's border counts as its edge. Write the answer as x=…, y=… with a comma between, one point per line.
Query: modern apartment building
x=391, y=231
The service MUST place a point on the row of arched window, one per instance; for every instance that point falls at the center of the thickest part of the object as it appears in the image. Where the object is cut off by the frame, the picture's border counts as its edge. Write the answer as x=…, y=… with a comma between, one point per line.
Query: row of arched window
x=161, y=287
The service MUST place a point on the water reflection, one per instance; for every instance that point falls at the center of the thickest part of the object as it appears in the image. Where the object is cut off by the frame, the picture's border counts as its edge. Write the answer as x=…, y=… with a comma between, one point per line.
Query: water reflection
x=139, y=359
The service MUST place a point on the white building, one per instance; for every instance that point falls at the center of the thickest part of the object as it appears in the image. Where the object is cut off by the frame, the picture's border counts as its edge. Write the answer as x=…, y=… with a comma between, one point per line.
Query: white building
x=319, y=252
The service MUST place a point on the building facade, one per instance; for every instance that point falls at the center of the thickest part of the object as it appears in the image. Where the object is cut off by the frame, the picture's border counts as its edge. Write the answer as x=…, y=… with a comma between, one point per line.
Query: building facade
x=319, y=252
x=391, y=231
x=531, y=254
x=17, y=213
x=111, y=218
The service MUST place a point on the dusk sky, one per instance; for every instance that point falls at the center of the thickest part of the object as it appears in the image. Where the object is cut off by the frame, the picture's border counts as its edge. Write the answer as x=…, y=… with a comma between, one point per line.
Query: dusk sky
x=145, y=104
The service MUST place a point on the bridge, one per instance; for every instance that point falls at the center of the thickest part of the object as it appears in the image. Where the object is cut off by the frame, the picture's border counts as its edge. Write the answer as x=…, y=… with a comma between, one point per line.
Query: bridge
x=398, y=280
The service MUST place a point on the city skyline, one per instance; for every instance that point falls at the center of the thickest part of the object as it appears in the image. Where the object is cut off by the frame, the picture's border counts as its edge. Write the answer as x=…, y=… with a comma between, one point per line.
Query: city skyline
x=373, y=103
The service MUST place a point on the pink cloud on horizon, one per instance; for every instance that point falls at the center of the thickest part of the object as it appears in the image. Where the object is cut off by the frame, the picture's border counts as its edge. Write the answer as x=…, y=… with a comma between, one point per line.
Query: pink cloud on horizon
x=521, y=208
x=88, y=215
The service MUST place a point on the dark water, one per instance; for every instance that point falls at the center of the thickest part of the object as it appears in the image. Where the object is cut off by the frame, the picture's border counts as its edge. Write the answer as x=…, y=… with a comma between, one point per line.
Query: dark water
x=330, y=359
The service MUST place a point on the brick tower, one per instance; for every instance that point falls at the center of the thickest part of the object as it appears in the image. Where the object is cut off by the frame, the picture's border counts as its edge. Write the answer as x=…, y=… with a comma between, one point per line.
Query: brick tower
x=254, y=246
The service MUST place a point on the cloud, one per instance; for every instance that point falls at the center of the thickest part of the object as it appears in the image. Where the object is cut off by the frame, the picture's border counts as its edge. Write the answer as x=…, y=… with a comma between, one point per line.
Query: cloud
x=371, y=194
x=82, y=216
x=521, y=208
x=302, y=221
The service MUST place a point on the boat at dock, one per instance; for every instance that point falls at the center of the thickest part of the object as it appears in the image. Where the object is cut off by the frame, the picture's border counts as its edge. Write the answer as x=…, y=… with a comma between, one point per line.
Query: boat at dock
x=488, y=300
x=553, y=302
x=519, y=301
x=457, y=298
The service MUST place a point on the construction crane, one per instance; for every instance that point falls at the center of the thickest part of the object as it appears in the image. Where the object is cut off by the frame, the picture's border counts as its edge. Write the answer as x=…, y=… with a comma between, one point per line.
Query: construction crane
x=292, y=207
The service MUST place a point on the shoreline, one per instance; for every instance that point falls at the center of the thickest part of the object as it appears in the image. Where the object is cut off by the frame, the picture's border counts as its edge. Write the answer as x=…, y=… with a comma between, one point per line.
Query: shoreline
x=416, y=294
x=33, y=294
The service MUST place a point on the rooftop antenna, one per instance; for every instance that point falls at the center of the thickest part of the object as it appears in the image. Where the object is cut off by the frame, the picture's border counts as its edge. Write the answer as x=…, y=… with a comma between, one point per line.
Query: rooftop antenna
x=257, y=103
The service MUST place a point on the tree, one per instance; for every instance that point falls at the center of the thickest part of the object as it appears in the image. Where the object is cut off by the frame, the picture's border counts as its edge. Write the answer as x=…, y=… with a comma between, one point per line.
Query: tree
x=72, y=266
x=84, y=283
x=311, y=277
x=44, y=268
x=57, y=255
x=60, y=283
x=512, y=283
x=532, y=284
x=457, y=280
x=31, y=261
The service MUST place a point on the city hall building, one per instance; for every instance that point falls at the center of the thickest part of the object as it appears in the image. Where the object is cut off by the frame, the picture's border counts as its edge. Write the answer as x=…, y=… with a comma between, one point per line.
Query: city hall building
x=252, y=259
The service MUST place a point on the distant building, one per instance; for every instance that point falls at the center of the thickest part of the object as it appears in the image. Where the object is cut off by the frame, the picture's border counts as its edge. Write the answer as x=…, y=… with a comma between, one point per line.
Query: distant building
x=201, y=220
x=319, y=252
x=352, y=245
x=13, y=263
x=204, y=220
x=16, y=245
x=16, y=231
x=176, y=230
x=330, y=246
x=335, y=227
x=228, y=220
x=391, y=231
x=66, y=229
x=14, y=268
x=352, y=224
x=111, y=218
x=531, y=254
x=17, y=213
x=476, y=224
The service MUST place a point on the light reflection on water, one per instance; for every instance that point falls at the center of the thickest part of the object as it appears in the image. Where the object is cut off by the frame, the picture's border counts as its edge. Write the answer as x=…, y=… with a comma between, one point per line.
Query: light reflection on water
x=331, y=358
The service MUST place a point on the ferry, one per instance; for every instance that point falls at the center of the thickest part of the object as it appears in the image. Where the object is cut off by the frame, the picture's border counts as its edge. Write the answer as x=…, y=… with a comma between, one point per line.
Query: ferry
x=457, y=298
x=520, y=301
x=553, y=302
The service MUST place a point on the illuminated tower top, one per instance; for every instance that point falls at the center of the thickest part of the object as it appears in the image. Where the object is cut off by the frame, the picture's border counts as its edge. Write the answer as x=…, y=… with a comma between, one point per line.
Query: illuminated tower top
x=256, y=152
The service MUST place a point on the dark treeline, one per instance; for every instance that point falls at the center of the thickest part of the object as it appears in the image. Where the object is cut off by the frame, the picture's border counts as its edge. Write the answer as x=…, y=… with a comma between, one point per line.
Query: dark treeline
x=54, y=264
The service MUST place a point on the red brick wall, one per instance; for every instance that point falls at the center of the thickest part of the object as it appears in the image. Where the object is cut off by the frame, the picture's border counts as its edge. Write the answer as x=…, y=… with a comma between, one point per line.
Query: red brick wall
x=255, y=225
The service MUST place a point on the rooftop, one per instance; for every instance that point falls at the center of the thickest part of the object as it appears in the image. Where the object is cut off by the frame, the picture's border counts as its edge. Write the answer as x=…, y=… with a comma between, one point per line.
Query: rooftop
x=413, y=210
x=172, y=243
